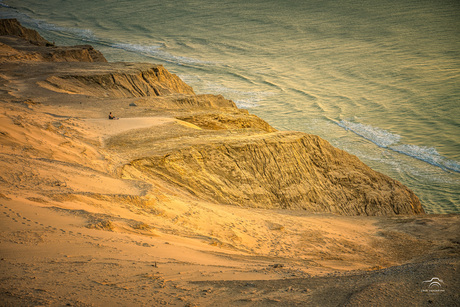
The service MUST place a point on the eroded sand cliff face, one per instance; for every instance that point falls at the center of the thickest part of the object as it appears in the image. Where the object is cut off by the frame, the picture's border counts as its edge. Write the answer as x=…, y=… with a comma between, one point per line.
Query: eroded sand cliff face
x=32, y=47
x=288, y=170
x=150, y=81
x=11, y=27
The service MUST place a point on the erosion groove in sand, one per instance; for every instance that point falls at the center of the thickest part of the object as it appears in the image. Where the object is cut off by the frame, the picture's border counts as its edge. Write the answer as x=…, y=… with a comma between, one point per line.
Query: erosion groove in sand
x=187, y=200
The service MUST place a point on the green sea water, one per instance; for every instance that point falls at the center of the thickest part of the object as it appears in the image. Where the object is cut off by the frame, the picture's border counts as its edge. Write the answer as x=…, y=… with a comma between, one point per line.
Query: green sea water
x=379, y=79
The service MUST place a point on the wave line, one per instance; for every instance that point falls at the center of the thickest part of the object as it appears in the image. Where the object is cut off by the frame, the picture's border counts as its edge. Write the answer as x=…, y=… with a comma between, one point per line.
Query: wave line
x=388, y=140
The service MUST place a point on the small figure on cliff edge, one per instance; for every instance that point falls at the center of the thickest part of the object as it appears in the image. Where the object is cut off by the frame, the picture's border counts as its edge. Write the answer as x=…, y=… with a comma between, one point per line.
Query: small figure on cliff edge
x=111, y=116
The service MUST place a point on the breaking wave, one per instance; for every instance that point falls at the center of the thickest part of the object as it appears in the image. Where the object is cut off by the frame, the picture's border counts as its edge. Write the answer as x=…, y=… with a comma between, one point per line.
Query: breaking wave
x=158, y=52
x=386, y=139
x=4, y=5
x=429, y=155
x=379, y=137
x=151, y=50
x=83, y=34
x=37, y=24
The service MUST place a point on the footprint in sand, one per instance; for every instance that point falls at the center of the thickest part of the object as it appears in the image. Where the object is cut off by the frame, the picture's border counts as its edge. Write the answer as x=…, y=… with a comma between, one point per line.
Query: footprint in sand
x=17, y=217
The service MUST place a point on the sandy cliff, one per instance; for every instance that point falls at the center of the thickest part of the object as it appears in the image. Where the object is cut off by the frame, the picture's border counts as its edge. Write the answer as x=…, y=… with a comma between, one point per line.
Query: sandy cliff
x=33, y=47
x=150, y=81
x=184, y=190
x=288, y=170
x=11, y=27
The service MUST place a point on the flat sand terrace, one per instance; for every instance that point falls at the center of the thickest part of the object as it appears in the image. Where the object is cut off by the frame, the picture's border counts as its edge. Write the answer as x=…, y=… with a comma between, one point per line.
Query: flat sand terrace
x=107, y=128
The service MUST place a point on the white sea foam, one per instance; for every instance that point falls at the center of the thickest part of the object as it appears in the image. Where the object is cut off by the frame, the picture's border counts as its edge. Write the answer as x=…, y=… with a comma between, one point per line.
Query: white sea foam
x=427, y=154
x=13, y=13
x=379, y=137
x=26, y=20
x=243, y=99
x=386, y=139
x=246, y=104
x=4, y=5
x=158, y=52
x=152, y=49
x=82, y=34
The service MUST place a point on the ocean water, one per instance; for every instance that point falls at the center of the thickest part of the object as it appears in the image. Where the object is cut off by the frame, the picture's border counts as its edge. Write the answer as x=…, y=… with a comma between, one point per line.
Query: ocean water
x=379, y=78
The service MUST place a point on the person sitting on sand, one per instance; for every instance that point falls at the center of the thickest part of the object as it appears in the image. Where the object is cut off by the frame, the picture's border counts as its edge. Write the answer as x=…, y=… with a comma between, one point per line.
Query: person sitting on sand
x=112, y=116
